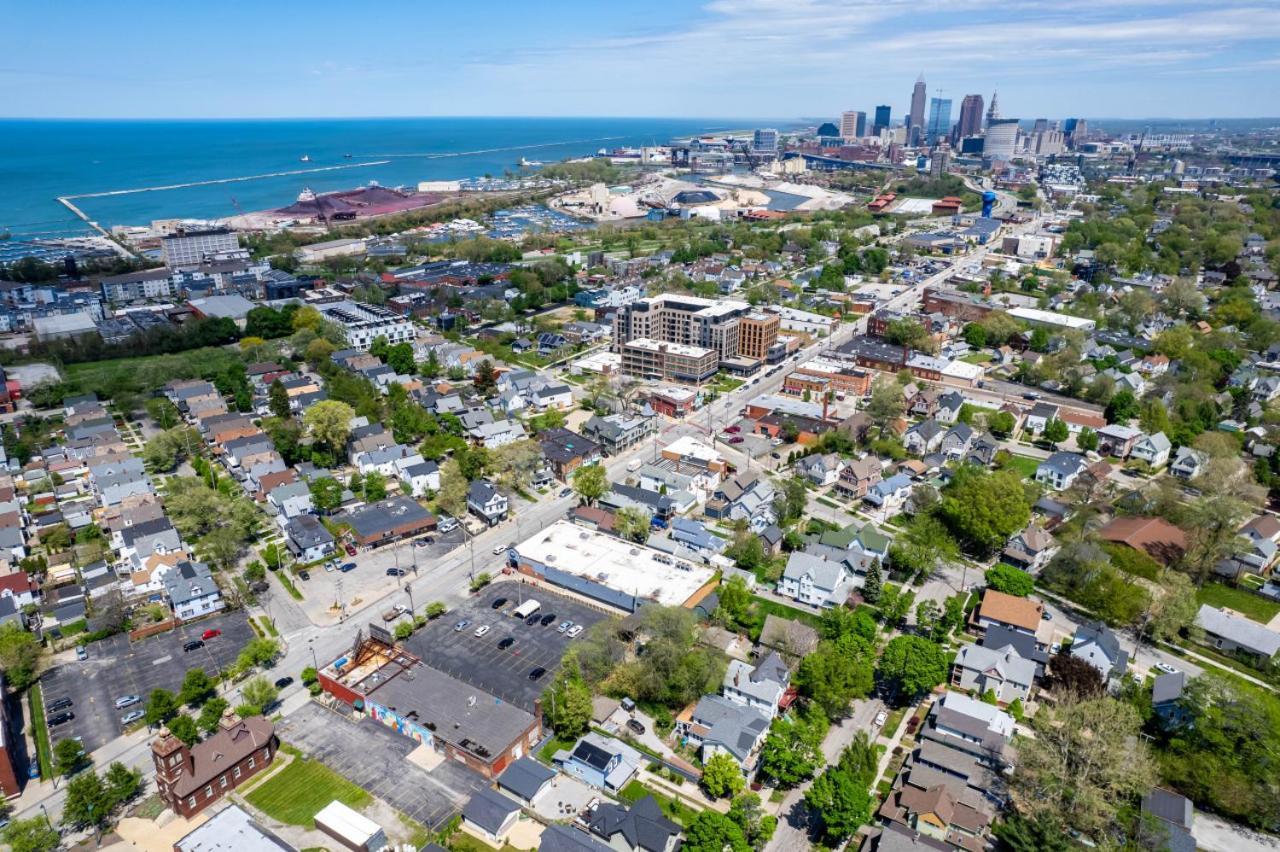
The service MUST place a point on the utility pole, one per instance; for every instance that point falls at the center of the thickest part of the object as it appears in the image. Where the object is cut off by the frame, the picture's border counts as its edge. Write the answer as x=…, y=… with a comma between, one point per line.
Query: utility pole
x=408, y=590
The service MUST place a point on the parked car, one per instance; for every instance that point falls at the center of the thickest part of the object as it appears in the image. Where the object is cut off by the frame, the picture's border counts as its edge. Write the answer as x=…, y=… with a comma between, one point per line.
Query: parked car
x=498, y=548
x=564, y=625
x=881, y=718
x=507, y=643
x=733, y=430
x=482, y=630
x=537, y=673
x=350, y=548
x=461, y=625
x=1166, y=668
x=347, y=566
x=575, y=631
x=533, y=620
x=210, y=634
x=126, y=701
x=132, y=716
x=549, y=618
x=565, y=492
x=447, y=524
x=736, y=439
x=304, y=574
x=635, y=726
x=61, y=718
x=58, y=704
x=193, y=645
x=82, y=653
x=498, y=603
x=283, y=682
x=396, y=572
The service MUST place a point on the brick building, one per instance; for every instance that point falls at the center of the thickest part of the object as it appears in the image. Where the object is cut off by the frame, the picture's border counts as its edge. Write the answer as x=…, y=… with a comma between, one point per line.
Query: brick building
x=189, y=779
x=757, y=333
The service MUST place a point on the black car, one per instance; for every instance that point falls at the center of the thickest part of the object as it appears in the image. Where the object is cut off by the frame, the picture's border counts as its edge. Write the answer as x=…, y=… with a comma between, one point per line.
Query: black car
x=63, y=718
x=304, y=575
x=396, y=572
x=260, y=586
x=506, y=643
x=533, y=619
x=498, y=604
x=537, y=673
x=283, y=682
x=635, y=726
x=58, y=704
x=548, y=619
x=193, y=645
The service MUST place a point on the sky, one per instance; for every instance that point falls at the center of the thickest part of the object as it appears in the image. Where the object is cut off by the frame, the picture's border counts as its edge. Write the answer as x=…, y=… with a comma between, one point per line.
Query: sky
x=696, y=58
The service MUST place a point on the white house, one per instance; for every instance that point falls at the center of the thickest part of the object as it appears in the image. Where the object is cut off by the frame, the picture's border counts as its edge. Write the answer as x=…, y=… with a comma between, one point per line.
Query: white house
x=1060, y=470
x=192, y=591
x=761, y=686
x=419, y=478
x=814, y=581
x=290, y=500
x=1152, y=449
x=1187, y=463
x=889, y=494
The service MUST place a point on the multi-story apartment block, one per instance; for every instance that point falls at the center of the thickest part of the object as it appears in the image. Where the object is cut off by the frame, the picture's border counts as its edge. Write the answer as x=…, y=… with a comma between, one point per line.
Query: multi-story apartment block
x=363, y=323
x=757, y=333
x=688, y=320
x=191, y=248
x=652, y=359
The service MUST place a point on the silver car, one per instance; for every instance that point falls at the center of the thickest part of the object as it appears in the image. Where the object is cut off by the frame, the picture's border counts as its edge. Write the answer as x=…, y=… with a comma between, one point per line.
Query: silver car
x=126, y=701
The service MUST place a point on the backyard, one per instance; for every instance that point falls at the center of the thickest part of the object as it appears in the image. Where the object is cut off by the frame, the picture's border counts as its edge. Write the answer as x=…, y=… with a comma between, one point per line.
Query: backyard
x=295, y=794
x=1242, y=601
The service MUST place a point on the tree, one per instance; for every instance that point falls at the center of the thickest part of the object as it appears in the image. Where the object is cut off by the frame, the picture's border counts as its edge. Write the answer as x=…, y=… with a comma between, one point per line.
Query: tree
x=258, y=652
x=19, y=656
x=329, y=422
x=985, y=508
x=88, y=803
x=841, y=796
x=211, y=714
x=791, y=501
x=122, y=783
x=452, y=497
x=1175, y=609
x=197, y=688
x=161, y=707
x=873, y=584
x=912, y=665
x=1055, y=431
x=68, y=757
x=747, y=551
x=31, y=835
x=567, y=702
x=430, y=368
x=885, y=405
x=260, y=693
x=838, y=671
x=792, y=750
x=1122, y=407
x=1010, y=580
x=485, y=378
x=184, y=728
x=278, y=399
x=1020, y=834
x=400, y=359
x=721, y=776
x=590, y=482
x=735, y=599
x=895, y=603
x=1002, y=423
x=1086, y=757
x=712, y=831
x=757, y=826
x=1075, y=676
x=1087, y=440
x=632, y=522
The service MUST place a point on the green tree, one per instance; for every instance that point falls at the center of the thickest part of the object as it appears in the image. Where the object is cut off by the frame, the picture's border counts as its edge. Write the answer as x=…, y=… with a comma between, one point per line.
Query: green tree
x=1020, y=834
x=197, y=688
x=326, y=493
x=735, y=600
x=885, y=405
x=1122, y=407
x=1055, y=432
x=840, y=796
x=757, y=826
x=122, y=784
x=452, y=497
x=278, y=399
x=19, y=656
x=792, y=750
x=1010, y=580
x=632, y=522
x=31, y=835
x=721, y=776
x=747, y=551
x=68, y=757
x=260, y=693
x=838, y=671
x=1002, y=423
x=211, y=714
x=912, y=666
x=895, y=603
x=329, y=422
x=1087, y=440
x=1174, y=609
x=873, y=584
x=590, y=482
x=400, y=359
x=791, y=501
x=184, y=728
x=485, y=378
x=88, y=802
x=712, y=831
x=161, y=707
x=985, y=508
x=567, y=702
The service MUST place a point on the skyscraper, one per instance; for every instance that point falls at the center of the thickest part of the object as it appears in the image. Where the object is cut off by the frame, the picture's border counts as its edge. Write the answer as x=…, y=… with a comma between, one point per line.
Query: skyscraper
x=765, y=141
x=993, y=112
x=882, y=120
x=970, y=123
x=939, y=119
x=853, y=124
x=915, y=122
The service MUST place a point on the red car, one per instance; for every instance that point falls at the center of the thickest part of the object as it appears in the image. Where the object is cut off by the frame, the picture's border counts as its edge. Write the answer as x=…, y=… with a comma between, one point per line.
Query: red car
x=209, y=634
x=736, y=439
x=351, y=549
x=733, y=430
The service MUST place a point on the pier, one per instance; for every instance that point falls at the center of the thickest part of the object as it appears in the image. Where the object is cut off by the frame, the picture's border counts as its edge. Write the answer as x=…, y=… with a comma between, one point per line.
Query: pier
x=214, y=181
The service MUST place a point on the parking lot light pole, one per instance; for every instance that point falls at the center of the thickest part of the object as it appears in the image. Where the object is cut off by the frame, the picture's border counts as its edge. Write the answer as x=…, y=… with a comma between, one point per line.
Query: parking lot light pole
x=408, y=590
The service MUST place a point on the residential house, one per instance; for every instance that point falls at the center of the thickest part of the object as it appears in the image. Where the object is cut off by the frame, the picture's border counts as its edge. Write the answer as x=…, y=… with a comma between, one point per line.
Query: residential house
x=982, y=452
x=486, y=502
x=1061, y=469
x=957, y=440
x=1029, y=549
x=949, y=405
x=1187, y=463
x=600, y=761
x=491, y=815
x=889, y=494
x=617, y=432
x=716, y=724
x=695, y=536
x=1166, y=698
x=924, y=437
x=290, y=500
x=821, y=468
x=419, y=479
x=1040, y=414
x=1166, y=822
x=1155, y=537
x=1117, y=440
x=497, y=434
x=1002, y=671
x=1020, y=614
x=526, y=780
x=566, y=451
x=192, y=591
x=760, y=687
x=924, y=403
x=1099, y=646
x=308, y=539
x=1027, y=645
x=792, y=639
x=1152, y=449
x=642, y=827
x=815, y=581
x=857, y=477
x=747, y=496
x=1234, y=633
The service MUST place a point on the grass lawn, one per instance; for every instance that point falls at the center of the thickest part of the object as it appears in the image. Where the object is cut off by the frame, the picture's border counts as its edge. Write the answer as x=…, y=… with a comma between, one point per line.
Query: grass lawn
x=463, y=842
x=44, y=754
x=765, y=607
x=976, y=358
x=151, y=371
x=674, y=810
x=1024, y=465
x=295, y=794
x=1242, y=601
x=553, y=745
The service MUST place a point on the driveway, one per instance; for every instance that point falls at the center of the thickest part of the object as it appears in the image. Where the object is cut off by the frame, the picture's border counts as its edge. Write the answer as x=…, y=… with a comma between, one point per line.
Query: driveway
x=1217, y=835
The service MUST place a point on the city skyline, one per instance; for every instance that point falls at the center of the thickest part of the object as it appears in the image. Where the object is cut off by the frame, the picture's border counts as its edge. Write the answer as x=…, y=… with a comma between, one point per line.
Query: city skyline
x=1129, y=59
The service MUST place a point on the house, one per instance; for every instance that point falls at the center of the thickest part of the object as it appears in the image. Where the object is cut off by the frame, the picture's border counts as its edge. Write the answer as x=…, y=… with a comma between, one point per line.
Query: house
x=1233, y=633
x=1027, y=646
x=695, y=536
x=290, y=500
x=490, y=814
x=970, y=726
x=486, y=502
x=526, y=779
x=820, y=469
x=192, y=591
x=1117, y=440
x=1166, y=822
x=419, y=479
x=1000, y=670
x=1029, y=549
x=1152, y=449
x=567, y=451
x=949, y=405
x=982, y=452
x=815, y=581
x=1166, y=698
x=190, y=778
x=1060, y=470
x=957, y=440
x=792, y=639
x=1040, y=414
x=889, y=494
x=617, y=432
x=642, y=827
x=760, y=687
x=747, y=496
x=924, y=437
x=858, y=476
x=557, y=837
x=308, y=539
x=1187, y=463
x=924, y=403
x=497, y=434
x=716, y=724
x=1020, y=614
x=388, y=520
x=1099, y=646
x=1155, y=537
x=600, y=761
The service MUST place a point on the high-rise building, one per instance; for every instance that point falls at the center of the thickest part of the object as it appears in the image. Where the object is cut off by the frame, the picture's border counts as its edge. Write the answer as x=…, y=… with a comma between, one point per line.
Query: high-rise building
x=1040, y=126
x=940, y=161
x=765, y=141
x=939, y=120
x=757, y=333
x=689, y=320
x=915, y=120
x=853, y=124
x=999, y=140
x=970, y=123
x=993, y=111
x=883, y=114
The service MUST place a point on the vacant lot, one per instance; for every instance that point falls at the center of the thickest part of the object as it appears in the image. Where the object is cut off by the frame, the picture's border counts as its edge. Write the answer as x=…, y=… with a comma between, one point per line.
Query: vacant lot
x=1242, y=601
x=149, y=372
x=295, y=794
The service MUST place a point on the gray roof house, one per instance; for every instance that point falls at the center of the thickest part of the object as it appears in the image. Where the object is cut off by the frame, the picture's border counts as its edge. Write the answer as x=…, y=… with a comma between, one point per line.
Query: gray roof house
x=639, y=828
x=718, y=724
x=815, y=581
x=1098, y=645
x=1060, y=470
x=923, y=438
x=486, y=502
x=562, y=838
x=1001, y=670
x=760, y=687
x=526, y=779
x=1152, y=449
x=191, y=590
x=491, y=813
x=1169, y=827
x=1227, y=631
x=1187, y=463
x=307, y=538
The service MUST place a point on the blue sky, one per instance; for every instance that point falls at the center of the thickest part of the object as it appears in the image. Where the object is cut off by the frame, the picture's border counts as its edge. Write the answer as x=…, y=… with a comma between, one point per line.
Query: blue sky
x=700, y=58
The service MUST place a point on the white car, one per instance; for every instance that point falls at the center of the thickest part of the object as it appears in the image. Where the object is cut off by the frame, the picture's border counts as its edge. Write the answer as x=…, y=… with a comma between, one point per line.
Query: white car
x=482, y=629
x=1165, y=667
x=574, y=631
x=130, y=718
x=401, y=608
x=881, y=718
x=126, y=700
x=498, y=548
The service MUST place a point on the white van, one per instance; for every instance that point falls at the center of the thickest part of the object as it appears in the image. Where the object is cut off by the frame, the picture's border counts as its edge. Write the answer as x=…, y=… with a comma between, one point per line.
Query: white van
x=634, y=465
x=526, y=609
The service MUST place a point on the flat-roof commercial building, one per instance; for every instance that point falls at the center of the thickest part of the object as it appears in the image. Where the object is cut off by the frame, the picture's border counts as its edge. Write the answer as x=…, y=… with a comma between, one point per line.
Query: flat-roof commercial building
x=615, y=572
x=192, y=248
x=231, y=830
x=757, y=333
x=452, y=717
x=1036, y=316
x=654, y=360
x=388, y=520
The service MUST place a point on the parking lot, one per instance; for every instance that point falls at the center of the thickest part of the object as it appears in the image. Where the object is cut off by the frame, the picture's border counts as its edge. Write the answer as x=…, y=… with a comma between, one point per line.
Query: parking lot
x=480, y=662
x=372, y=756
x=116, y=667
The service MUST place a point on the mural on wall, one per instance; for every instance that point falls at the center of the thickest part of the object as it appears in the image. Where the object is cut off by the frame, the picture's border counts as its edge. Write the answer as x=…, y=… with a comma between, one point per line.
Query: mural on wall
x=400, y=725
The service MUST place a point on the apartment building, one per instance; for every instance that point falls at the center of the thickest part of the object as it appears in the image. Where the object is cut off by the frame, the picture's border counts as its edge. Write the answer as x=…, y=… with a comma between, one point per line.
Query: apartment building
x=688, y=320
x=757, y=334
x=652, y=359
x=363, y=323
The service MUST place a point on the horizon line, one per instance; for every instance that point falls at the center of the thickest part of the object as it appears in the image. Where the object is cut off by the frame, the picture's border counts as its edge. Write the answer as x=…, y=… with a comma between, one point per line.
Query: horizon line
x=571, y=118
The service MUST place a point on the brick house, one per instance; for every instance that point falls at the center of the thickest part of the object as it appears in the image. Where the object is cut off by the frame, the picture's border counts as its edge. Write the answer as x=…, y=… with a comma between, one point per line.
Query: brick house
x=189, y=779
